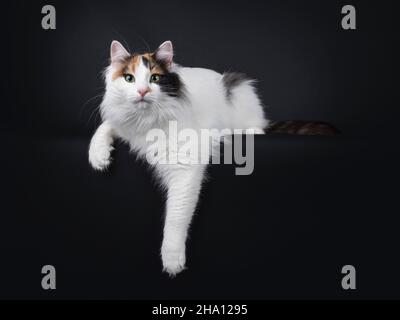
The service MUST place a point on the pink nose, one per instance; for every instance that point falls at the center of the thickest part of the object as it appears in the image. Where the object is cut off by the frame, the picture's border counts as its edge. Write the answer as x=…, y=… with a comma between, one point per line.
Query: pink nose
x=143, y=92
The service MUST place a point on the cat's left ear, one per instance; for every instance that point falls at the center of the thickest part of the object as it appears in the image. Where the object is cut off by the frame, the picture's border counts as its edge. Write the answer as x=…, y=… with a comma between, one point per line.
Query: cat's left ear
x=165, y=53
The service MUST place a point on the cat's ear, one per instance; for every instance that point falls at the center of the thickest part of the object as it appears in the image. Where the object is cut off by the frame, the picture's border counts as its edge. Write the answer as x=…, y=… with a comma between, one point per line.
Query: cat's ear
x=117, y=52
x=165, y=53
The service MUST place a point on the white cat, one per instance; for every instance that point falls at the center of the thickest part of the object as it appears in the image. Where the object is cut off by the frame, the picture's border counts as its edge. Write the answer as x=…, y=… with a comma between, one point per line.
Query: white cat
x=146, y=91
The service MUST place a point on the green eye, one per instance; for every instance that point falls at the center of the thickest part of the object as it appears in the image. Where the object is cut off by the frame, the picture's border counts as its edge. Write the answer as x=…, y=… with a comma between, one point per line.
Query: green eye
x=155, y=78
x=129, y=78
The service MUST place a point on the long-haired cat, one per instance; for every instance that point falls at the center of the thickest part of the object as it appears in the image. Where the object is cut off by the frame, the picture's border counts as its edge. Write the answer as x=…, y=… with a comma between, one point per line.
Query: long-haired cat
x=146, y=91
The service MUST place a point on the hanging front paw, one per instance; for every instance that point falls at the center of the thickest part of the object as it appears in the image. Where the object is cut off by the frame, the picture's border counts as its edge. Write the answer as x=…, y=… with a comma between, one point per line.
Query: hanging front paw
x=100, y=155
x=173, y=260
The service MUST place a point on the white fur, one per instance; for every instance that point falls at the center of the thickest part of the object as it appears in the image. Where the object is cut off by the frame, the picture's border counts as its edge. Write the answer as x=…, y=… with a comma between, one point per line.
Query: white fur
x=101, y=147
x=206, y=107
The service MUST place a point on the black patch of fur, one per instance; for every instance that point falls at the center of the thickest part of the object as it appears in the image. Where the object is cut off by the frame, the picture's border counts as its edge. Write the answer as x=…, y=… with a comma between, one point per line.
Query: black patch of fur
x=145, y=61
x=232, y=80
x=171, y=84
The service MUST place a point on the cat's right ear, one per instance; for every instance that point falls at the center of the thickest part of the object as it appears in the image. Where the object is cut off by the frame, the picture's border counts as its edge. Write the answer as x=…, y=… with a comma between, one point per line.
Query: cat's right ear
x=118, y=53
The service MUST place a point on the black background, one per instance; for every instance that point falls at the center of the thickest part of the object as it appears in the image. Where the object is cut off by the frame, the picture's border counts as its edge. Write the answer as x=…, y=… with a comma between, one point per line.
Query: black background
x=311, y=206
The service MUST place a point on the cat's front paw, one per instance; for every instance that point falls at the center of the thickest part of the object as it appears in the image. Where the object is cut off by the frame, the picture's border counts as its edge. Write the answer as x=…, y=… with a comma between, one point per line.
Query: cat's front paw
x=100, y=155
x=173, y=260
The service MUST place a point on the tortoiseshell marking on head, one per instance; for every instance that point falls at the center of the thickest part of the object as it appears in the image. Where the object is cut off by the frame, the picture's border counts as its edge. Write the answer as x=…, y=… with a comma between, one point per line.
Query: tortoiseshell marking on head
x=130, y=65
x=169, y=82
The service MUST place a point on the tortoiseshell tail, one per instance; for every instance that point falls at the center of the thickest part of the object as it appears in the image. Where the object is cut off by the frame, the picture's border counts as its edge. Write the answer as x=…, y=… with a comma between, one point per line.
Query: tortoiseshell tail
x=302, y=128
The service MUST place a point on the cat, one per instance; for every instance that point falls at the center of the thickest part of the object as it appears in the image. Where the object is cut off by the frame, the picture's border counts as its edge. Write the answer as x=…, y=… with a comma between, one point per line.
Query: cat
x=148, y=90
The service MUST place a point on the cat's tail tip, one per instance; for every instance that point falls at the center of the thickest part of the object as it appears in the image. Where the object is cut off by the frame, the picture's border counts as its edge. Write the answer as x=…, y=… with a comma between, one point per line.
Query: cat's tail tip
x=301, y=127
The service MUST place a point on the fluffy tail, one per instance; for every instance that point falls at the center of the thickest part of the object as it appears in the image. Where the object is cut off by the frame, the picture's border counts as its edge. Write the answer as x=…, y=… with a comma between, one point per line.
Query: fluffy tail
x=302, y=128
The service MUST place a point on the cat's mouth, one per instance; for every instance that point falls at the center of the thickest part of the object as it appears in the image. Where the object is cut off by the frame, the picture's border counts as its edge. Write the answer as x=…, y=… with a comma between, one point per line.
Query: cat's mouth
x=143, y=100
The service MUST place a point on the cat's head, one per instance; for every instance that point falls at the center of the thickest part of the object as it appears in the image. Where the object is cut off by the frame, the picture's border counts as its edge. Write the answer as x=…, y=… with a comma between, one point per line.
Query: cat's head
x=142, y=86
x=144, y=78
